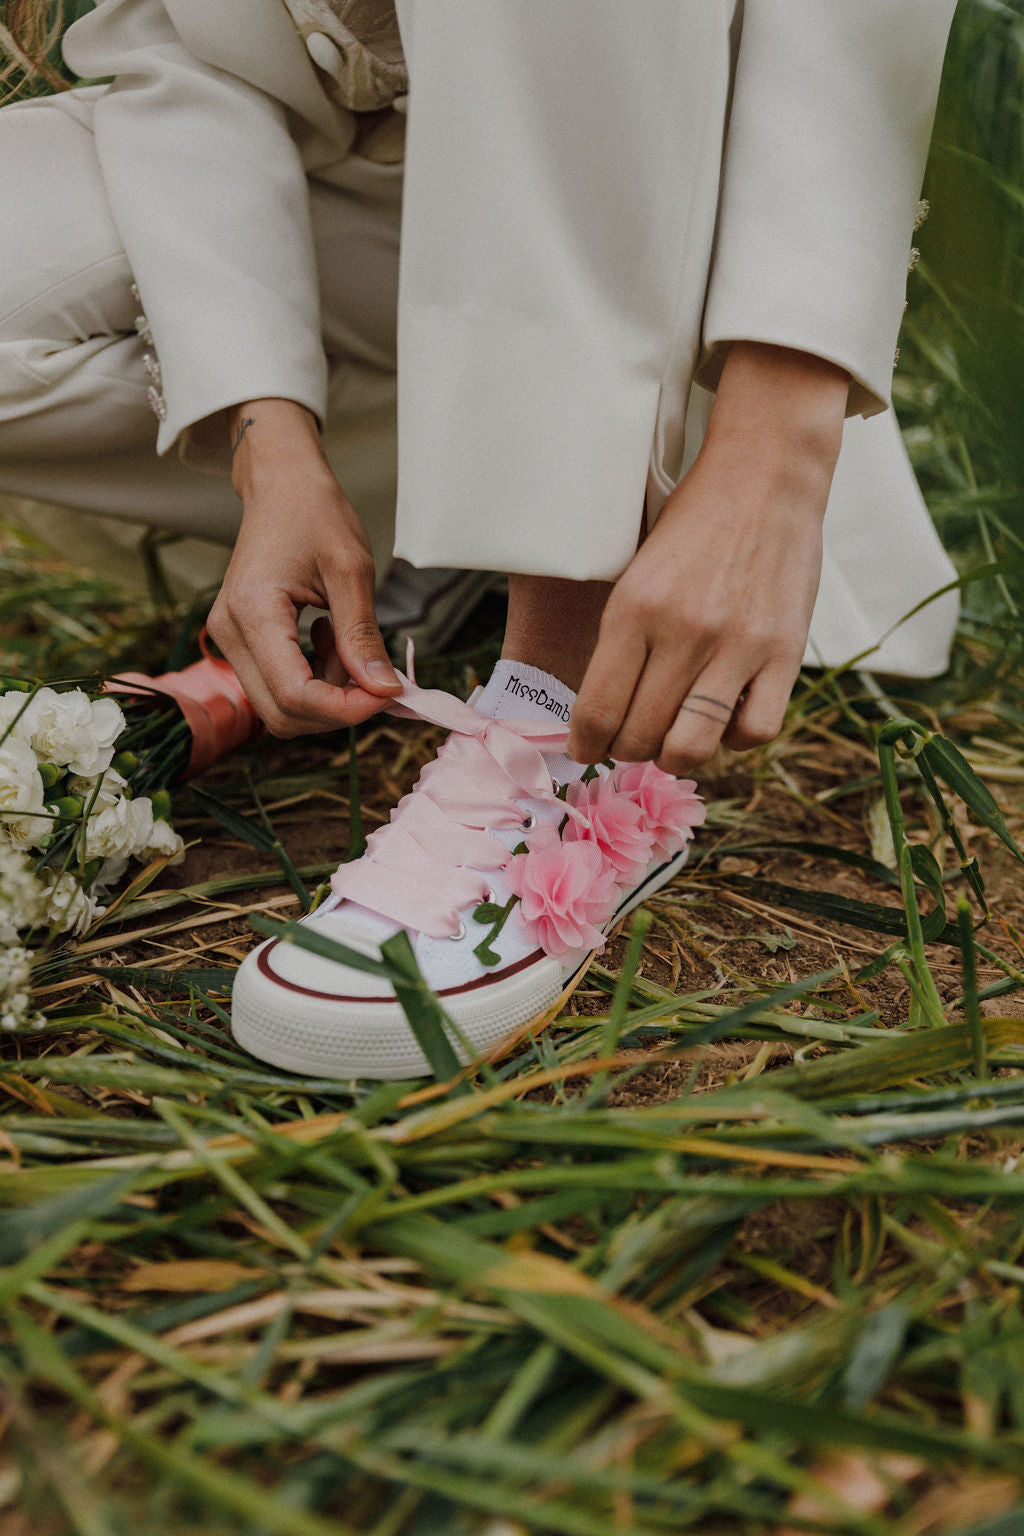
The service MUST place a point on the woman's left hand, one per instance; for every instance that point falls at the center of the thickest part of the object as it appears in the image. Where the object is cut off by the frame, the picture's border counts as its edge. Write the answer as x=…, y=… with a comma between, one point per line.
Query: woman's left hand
x=703, y=635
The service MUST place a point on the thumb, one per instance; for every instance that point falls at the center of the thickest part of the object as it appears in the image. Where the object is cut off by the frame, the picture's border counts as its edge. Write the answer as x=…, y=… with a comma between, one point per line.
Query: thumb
x=359, y=642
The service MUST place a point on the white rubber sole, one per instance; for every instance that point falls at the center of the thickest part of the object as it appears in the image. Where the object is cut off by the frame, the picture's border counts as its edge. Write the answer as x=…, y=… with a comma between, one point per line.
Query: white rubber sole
x=320, y=1035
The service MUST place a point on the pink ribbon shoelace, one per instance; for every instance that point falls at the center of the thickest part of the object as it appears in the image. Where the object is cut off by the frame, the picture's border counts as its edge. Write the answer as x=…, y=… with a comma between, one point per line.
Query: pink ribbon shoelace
x=415, y=869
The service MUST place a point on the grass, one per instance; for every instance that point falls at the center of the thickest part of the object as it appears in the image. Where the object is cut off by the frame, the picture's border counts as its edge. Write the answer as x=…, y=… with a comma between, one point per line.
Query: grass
x=745, y=1225
x=735, y=1246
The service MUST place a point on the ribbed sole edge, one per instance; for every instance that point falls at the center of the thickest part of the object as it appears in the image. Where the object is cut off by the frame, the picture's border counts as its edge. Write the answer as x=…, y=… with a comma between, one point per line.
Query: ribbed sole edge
x=341, y=1041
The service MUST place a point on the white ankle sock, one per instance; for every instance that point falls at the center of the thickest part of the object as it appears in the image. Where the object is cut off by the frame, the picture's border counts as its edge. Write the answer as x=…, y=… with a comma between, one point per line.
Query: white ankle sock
x=516, y=691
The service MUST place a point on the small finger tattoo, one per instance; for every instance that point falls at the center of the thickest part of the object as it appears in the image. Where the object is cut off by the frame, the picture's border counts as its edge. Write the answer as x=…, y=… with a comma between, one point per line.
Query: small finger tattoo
x=706, y=698
x=705, y=712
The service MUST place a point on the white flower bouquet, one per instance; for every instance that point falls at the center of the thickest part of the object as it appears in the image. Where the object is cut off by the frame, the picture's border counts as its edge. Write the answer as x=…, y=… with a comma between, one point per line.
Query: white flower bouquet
x=84, y=779
x=83, y=792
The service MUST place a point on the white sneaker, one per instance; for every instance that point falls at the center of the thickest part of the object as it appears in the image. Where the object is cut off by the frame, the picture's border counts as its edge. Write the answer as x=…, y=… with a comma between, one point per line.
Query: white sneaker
x=505, y=866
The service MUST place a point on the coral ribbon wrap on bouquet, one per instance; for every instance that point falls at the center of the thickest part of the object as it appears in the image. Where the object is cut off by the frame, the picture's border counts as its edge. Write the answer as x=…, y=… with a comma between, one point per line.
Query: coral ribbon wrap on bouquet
x=212, y=700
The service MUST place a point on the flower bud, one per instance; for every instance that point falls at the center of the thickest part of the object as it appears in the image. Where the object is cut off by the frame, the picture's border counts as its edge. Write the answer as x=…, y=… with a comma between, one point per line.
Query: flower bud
x=125, y=763
x=68, y=807
x=161, y=802
x=50, y=774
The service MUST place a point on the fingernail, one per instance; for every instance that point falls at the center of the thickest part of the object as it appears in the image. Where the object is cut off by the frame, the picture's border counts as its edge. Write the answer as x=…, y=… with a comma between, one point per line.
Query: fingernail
x=382, y=672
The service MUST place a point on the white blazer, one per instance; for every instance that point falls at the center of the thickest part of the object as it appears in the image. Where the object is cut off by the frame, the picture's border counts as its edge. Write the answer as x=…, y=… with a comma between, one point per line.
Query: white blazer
x=598, y=200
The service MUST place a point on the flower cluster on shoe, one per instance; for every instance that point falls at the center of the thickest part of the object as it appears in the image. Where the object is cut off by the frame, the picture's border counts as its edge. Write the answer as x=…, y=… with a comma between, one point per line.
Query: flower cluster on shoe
x=506, y=865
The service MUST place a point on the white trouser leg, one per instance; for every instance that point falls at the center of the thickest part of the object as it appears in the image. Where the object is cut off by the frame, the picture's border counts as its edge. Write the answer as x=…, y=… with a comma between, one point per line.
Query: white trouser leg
x=562, y=175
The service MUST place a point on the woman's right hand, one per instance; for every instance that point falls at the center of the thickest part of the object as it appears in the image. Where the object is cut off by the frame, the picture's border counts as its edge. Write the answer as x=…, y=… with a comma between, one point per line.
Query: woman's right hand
x=301, y=545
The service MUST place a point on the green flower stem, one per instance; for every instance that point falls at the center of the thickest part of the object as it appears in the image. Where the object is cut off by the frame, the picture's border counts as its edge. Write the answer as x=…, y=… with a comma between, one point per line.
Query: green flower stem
x=926, y=991
x=902, y=733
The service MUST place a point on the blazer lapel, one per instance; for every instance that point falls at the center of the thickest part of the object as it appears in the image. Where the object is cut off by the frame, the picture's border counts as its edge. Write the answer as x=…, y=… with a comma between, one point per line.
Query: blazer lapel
x=257, y=40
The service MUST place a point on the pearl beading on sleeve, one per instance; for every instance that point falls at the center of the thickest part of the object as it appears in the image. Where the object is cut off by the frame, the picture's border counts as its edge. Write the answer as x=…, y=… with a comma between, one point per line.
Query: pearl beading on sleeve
x=154, y=394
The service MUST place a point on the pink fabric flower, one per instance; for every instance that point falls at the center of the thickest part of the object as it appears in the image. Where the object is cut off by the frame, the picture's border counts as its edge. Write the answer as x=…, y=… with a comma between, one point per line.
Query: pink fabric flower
x=564, y=890
x=669, y=808
x=614, y=823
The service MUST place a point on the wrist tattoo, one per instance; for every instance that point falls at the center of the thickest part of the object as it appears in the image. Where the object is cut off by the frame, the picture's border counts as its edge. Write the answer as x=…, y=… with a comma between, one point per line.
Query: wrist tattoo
x=240, y=431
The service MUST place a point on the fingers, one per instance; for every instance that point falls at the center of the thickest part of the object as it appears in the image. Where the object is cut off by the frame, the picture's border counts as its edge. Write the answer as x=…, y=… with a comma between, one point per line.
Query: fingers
x=649, y=650
x=717, y=709
x=760, y=716
x=653, y=708
x=701, y=639
x=671, y=705
x=605, y=693
x=702, y=716
x=301, y=545
x=357, y=637
x=277, y=678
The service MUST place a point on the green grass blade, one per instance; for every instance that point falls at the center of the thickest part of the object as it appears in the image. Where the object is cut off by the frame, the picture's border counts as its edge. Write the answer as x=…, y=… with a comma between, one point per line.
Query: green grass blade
x=948, y=763
x=242, y=827
x=318, y=944
x=427, y=1019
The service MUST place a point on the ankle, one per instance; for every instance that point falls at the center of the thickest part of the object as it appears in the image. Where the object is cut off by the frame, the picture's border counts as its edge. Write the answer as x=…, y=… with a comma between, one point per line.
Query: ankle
x=553, y=624
x=543, y=659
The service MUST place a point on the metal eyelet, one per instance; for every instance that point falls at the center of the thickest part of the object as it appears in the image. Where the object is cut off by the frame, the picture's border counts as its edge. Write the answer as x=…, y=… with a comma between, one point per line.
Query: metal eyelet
x=454, y=938
x=529, y=822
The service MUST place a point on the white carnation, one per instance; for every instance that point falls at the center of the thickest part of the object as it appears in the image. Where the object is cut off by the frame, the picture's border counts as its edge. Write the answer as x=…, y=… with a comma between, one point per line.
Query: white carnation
x=21, y=787
x=21, y=793
x=108, y=788
x=15, y=989
x=122, y=830
x=111, y=834
x=21, y=896
x=29, y=831
x=72, y=730
x=164, y=841
x=68, y=906
x=110, y=873
x=13, y=714
x=140, y=817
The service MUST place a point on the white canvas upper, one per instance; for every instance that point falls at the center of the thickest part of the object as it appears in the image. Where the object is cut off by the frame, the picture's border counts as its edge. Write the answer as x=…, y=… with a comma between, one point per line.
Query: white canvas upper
x=312, y=1014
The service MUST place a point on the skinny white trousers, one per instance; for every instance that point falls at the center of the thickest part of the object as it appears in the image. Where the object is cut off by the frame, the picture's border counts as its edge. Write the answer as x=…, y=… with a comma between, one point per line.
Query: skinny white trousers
x=76, y=429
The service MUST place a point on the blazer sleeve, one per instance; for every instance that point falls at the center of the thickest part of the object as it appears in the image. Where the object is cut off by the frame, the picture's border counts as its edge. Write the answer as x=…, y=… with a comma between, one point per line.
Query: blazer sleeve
x=209, y=195
x=828, y=133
